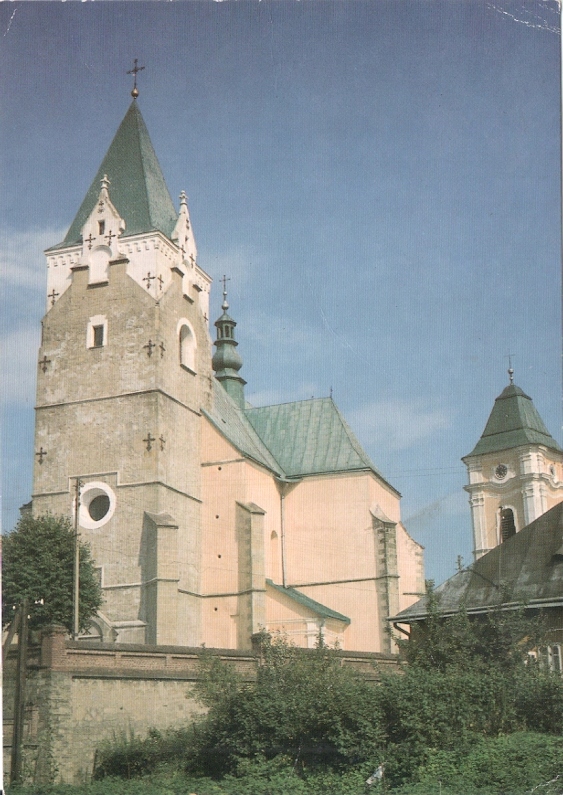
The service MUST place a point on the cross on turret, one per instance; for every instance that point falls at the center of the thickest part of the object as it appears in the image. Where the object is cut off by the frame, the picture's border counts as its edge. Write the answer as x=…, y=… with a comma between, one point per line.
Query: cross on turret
x=53, y=296
x=225, y=279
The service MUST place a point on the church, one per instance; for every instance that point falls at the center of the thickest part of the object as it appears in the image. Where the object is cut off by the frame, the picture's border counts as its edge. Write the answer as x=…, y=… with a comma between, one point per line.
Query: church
x=209, y=520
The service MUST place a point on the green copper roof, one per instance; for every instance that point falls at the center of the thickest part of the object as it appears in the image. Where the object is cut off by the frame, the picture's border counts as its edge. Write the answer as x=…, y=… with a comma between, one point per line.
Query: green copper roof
x=231, y=422
x=527, y=569
x=137, y=187
x=309, y=437
x=307, y=602
x=514, y=421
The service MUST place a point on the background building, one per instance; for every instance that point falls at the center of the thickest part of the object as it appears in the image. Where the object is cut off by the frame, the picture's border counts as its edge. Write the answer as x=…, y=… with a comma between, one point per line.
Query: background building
x=516, y=497
x=515, y=470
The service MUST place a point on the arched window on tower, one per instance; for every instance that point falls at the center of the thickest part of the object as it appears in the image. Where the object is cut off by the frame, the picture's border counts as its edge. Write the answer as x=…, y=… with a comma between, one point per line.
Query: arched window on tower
x=507, y=526
x=187, y=342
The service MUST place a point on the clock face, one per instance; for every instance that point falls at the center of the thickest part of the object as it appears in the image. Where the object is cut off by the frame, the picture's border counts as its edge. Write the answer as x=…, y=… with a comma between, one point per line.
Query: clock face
x=501, y=471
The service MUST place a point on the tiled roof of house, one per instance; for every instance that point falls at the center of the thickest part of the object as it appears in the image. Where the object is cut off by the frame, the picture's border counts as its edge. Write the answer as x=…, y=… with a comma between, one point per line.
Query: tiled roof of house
x=526, y=569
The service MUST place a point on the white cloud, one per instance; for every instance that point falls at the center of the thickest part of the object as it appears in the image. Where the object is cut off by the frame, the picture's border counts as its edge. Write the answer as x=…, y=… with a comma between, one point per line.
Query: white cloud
x=239, y=265
x=270, y=397
x=397, y=424
x=18, y=354
x=22, y=263
x=288, y=335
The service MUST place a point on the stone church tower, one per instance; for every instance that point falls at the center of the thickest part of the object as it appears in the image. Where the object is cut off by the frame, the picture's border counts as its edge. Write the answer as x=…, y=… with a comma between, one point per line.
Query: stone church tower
x=209, y=519
x=124, y=370
x=515, y=470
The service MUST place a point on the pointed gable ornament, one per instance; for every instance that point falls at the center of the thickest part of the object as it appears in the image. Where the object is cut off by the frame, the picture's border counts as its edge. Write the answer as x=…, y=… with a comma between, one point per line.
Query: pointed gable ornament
x=184, y=237
x=100, y=235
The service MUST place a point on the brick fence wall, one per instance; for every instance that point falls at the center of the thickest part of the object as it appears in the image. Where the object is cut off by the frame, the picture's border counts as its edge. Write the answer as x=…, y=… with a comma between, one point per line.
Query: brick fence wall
x=80, y=695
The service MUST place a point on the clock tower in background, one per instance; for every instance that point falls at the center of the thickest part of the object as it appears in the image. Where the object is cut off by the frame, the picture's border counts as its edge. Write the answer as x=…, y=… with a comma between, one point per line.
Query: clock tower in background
x=515, y=470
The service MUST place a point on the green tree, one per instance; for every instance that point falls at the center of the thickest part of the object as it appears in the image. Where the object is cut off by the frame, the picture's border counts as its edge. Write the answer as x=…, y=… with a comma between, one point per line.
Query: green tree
x=498, y=638
x=38, y=563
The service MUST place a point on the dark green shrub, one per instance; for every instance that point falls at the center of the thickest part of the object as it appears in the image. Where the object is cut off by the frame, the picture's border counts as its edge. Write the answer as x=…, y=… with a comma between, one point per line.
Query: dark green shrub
x=130, y=756
x=507, y=764
x=303, y=706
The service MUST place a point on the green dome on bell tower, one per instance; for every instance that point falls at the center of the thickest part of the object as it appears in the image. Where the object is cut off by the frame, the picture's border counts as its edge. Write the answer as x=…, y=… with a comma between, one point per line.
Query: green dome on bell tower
x=226, y=360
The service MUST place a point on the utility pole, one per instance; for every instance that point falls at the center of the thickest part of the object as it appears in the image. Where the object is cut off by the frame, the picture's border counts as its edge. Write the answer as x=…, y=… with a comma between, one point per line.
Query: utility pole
x=19, y=700
x=76, y=623
x=1, y=690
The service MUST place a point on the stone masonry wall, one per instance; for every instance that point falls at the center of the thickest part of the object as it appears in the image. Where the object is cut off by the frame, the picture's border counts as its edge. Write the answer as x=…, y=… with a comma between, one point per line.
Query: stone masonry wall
x=78, y=696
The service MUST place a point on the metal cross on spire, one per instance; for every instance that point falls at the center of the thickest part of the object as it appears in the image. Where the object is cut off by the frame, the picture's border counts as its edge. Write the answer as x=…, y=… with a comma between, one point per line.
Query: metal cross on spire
x=510, y=369
x=225, y=305
x=134, y=71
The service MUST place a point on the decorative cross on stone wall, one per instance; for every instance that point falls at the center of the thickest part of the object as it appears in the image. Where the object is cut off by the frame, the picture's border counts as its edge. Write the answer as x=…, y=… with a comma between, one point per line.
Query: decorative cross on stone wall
x=149, y=346
x=109, y=237
x=89, y=240
x=53, y=296
x=148, y=279
x=162, y=441
x=160, y=282
x=43, y=363
x=41, y=454
x=148, y=441
x=162, y=350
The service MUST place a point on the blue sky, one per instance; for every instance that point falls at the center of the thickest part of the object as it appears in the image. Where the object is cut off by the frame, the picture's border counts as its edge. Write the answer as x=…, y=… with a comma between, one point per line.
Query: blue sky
x=380, y=180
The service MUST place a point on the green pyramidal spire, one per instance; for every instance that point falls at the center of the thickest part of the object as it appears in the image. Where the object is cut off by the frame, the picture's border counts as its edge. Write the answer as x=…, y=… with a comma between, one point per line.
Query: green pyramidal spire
x=137, y=186
x=514, y=421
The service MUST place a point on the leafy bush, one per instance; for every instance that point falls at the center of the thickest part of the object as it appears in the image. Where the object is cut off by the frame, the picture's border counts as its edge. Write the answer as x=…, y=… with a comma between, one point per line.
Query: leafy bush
x=506, y=764
x=304, y=706
x=462, y=712
x=130, y=756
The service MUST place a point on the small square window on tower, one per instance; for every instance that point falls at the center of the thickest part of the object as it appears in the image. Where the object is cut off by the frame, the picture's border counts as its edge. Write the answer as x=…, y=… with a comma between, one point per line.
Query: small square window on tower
x=98, y=336
x=97, y=332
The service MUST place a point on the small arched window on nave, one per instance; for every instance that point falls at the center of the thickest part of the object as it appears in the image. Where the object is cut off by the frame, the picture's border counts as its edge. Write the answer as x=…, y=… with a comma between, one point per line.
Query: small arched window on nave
x=275, y=559
x=187, y=343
